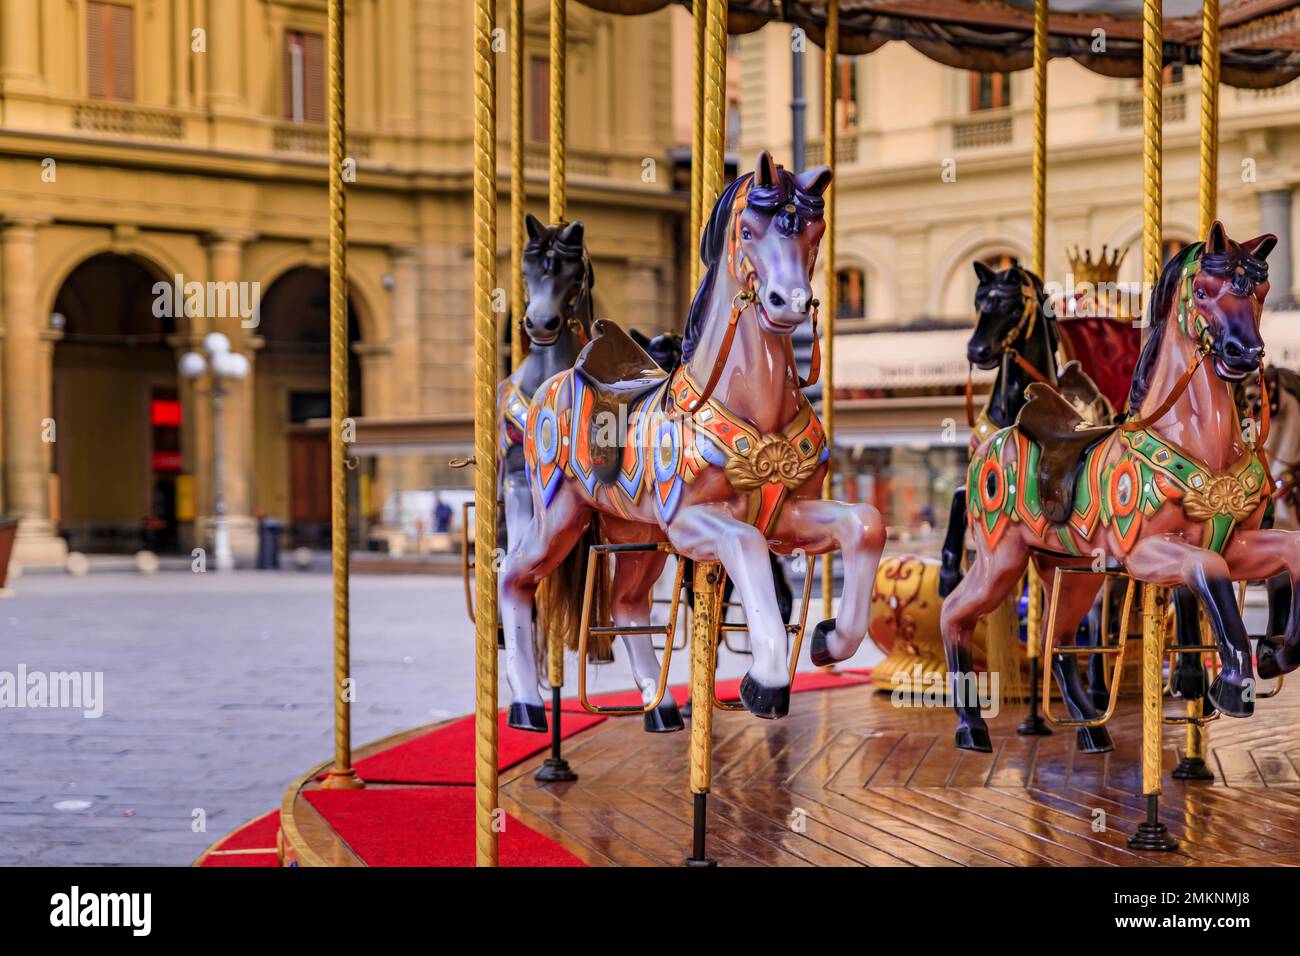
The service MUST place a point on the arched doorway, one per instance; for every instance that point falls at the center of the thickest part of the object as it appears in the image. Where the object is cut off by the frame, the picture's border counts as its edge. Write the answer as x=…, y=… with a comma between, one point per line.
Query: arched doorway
x=292, y=389
x=117, y=410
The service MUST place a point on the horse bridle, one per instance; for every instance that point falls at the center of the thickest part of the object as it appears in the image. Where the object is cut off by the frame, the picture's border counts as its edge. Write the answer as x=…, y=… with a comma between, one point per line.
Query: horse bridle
x=1028, y=318
x=745, y=274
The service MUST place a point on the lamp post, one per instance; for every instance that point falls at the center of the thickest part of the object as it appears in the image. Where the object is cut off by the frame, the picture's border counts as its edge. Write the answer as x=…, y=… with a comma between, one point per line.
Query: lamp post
x=224, y=365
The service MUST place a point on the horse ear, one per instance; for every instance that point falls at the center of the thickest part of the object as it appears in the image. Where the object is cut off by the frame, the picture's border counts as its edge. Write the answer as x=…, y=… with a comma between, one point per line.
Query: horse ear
x=572, y=234
x=1260, y=246
x=814, y=181
x=1217, y=241
x=983, y=272
x=534, y=226
x=765, y=170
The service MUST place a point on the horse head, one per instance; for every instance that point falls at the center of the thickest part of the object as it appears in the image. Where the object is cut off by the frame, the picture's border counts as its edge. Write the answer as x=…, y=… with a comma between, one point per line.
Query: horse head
x=1005, y=302
x=558, y=278
x=1222, y=298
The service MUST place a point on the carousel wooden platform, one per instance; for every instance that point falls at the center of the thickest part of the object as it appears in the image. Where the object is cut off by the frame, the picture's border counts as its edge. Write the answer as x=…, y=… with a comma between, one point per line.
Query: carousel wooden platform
x=849, y=779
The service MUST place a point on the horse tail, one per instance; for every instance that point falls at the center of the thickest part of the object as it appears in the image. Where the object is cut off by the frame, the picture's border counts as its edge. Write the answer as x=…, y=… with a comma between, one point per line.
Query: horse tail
x=559, y=602
x=954, y=545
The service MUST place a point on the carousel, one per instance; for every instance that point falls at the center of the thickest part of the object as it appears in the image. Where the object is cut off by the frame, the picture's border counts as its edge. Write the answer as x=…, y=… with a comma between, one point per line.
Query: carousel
x=1119, y=496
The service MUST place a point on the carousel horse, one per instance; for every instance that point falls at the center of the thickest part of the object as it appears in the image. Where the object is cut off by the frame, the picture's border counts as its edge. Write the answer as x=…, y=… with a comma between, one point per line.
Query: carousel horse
x=1174, y=495
x=1016, y=333
x=723, y=459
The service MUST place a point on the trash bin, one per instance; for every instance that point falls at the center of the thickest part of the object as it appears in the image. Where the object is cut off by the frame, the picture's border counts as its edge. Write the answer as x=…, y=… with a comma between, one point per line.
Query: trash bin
x=268, y=544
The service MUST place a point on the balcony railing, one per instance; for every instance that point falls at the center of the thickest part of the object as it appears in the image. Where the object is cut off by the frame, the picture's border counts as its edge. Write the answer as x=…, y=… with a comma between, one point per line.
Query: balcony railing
x=1174, y=111
x=846, y=149
x=127, y=121
x=982, y=132
x=313, y=140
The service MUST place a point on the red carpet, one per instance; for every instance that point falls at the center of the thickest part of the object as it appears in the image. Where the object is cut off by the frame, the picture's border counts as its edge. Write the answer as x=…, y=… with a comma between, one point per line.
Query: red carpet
x=427, y=827
x=446, y=755
x=258, y=834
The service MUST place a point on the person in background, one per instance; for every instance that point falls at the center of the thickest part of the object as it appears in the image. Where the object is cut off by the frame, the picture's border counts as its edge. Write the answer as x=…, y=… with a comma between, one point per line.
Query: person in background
x=441, y=514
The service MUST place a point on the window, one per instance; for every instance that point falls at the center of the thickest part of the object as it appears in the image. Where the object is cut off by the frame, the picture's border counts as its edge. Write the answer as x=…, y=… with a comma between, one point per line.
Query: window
x=999, y=262
x=1172, y=75
x=1170, y=248
x=110, y=51
x=733, y=125
x=539, y=99
x=851, y=298
x=304, y=77
x=989, y=91
x=846, y=93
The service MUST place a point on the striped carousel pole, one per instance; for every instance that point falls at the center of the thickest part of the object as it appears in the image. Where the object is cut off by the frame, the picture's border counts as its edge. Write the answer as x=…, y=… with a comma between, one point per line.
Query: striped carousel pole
x=708, y=574
x=341, y=775
x=1151, y=834
x=555, y=768
x=1033, y=725
x=518, y=190
x=699, y=15
x=1192, y=766
x=485, y=452
x=830, y=97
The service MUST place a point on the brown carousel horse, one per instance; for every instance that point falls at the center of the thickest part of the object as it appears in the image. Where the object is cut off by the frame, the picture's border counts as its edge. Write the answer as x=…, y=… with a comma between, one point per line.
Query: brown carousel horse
x=723, y=459
x=1174, y=495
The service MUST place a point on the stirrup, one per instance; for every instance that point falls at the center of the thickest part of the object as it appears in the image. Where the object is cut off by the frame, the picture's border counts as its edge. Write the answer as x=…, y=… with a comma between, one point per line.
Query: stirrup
x=1117, y=651
x=586, y=629
x=792, y=630
x=467, y=558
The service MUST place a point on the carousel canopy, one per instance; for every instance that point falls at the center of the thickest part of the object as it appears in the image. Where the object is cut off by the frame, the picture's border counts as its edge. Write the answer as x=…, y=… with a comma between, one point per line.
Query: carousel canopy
x=1259, y=40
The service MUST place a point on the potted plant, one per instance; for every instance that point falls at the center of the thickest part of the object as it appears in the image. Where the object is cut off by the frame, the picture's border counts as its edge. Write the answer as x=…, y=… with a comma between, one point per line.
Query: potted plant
x=8, y=530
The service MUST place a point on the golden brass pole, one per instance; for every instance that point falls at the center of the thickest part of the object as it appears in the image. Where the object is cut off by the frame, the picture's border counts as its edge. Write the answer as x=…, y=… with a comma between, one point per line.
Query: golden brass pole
x=1193, y=766
x=1151, y=833
x=708, y=574
x=830, y=96
x=518, y=190
x=704, y=635
x=1152, y=138
x=1033, y=725
x=699, y=15
x=1209, y=115
x=341, y=776
x=485, y=452
x=559, y=28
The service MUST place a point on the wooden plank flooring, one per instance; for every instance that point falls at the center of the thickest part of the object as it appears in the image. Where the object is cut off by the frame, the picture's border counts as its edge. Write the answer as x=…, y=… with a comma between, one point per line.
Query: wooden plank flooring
x=848, y=779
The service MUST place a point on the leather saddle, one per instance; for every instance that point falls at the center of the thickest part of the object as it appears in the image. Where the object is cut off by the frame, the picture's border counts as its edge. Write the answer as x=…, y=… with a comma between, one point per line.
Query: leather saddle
x=1064, y=437
x=618, y=372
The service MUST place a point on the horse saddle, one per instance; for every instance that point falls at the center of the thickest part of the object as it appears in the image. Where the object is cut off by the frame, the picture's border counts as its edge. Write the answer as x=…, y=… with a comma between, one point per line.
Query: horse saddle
x=1064, y=437
x=618, y=372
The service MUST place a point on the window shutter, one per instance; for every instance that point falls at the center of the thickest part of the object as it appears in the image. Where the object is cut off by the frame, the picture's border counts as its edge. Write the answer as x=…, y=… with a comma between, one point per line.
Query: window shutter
x=313, y=77
x=97, y=49
x=290, y=38
x=122, y=52
x=539, y=99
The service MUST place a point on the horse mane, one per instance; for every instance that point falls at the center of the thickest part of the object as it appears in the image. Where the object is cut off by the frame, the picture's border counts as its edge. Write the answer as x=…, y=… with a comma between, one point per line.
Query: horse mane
x=713, y=242
x=1162, y=304
x=550, y=241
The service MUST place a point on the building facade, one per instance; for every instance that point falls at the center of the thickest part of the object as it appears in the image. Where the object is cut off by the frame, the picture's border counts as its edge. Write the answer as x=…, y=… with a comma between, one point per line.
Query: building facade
x=148, y=145
x=933, y=173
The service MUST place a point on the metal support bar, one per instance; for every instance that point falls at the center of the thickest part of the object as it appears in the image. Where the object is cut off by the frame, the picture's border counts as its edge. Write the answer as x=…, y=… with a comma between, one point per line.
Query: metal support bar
x=1050, y=648
x=703, y=634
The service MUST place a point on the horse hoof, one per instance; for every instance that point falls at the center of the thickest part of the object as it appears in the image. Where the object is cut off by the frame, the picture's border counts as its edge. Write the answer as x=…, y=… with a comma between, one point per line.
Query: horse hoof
x=527, y=717
x=817, y=650
x=1229, y=699
x=769, y=703
x=1094, y=740
x=665, y=718
x=974, y=738
x=1268, y=654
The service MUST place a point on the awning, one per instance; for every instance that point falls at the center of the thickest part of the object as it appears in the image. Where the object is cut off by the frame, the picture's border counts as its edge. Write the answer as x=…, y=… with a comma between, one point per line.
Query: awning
x=904, y=359
x=1259, y=39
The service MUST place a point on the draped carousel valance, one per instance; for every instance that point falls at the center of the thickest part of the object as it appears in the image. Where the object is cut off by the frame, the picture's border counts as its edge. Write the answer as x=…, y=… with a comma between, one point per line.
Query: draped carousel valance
x=1259, y=39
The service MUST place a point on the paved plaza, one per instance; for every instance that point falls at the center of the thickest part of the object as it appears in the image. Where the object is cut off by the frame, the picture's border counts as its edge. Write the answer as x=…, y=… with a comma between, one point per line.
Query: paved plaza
x=215, y=697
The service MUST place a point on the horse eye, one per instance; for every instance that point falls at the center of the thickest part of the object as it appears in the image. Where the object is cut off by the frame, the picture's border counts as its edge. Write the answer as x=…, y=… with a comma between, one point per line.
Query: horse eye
x=745, y=233
x=1200, y=293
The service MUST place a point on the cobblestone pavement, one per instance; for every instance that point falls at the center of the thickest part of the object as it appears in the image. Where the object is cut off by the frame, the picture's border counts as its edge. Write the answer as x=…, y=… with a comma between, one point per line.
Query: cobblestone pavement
x=216, y=696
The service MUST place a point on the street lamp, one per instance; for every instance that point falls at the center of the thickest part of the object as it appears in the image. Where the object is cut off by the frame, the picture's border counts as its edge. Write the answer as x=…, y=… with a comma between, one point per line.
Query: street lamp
x=223, y=364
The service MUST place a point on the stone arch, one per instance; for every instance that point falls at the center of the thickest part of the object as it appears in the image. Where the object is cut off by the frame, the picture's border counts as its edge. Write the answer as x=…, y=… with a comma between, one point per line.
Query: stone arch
x=954, y=285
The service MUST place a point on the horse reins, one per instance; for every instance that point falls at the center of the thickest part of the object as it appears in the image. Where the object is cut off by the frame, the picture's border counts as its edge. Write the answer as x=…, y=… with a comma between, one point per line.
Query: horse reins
x=1005, y=350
